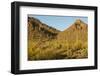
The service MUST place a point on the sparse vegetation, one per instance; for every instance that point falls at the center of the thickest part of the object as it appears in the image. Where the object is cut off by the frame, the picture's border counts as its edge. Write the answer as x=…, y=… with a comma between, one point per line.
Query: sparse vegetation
x=69, y=44
x=55, y=49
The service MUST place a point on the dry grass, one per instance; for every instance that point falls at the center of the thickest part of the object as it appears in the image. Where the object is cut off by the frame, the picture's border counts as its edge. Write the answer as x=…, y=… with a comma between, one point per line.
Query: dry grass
x=55, y=49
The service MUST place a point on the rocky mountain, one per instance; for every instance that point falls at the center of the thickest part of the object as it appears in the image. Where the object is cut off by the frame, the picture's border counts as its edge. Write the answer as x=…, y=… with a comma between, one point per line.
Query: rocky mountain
x=40, y=31
x=77, y=31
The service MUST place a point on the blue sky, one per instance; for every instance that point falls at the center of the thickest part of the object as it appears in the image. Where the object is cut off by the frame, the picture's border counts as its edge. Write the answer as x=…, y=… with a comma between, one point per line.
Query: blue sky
x=59, y=22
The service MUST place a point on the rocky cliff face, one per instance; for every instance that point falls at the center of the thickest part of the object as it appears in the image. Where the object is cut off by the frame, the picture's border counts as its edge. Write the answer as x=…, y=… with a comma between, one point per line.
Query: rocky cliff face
x=40, y=31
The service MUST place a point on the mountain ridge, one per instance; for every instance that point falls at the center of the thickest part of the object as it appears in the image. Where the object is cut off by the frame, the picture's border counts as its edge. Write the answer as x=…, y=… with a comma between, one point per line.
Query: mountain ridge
x=36, y=26
x=76, y=31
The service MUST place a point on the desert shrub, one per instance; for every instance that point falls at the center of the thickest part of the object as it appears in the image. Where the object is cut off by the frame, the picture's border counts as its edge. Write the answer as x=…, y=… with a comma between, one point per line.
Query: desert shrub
x=80, y=54
x=47, y=55
x=31, y=49
x=78, y=45
x=57, y=49
x=83, y=53
x=68, y=54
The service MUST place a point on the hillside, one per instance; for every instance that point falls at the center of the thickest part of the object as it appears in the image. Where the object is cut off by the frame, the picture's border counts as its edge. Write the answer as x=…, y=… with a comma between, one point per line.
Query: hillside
x=39, y=31
x=77, y=31
x=48, y=43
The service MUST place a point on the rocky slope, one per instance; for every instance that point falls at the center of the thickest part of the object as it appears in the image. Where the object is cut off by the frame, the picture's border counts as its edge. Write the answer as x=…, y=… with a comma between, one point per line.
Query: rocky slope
x=77, y=31
x=40, y=31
